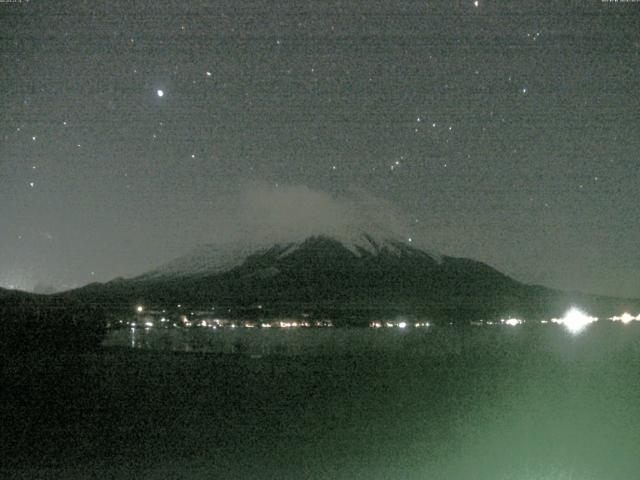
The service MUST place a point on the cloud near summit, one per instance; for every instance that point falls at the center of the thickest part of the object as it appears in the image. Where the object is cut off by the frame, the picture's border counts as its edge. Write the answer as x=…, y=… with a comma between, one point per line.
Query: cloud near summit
x=292, y=212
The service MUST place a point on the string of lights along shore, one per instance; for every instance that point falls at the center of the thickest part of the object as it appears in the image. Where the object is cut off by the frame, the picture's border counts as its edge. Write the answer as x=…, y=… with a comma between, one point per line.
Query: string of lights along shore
x=507, y=132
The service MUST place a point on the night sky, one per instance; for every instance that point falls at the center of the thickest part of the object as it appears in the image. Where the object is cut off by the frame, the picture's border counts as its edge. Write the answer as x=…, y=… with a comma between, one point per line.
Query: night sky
x=507, y=132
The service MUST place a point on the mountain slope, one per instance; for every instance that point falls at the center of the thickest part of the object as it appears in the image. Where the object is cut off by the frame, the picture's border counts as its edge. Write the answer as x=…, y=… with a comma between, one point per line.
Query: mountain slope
x=354, y=279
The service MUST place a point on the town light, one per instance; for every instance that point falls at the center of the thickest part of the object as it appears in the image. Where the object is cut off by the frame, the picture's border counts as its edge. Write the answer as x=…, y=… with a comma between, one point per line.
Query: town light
x=575, y=320
x=512, y=322
x=626, y=317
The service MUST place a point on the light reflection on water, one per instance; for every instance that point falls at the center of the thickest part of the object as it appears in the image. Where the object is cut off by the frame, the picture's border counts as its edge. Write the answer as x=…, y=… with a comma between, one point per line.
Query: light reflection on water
x=258, y=342
x=434, y=341
x=442, y=403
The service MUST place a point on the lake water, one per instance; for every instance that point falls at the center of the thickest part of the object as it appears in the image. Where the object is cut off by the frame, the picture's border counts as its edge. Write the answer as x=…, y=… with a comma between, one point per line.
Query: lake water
x=442, y=403
x=294, y=341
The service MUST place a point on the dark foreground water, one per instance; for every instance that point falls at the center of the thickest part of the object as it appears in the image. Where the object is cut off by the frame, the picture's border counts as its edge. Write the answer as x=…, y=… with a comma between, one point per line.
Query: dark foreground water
x=487, y=403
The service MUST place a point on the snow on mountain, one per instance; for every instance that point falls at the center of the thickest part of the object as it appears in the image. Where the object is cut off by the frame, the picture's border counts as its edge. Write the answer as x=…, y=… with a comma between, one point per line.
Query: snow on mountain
x=218, y=258
x=205, y=259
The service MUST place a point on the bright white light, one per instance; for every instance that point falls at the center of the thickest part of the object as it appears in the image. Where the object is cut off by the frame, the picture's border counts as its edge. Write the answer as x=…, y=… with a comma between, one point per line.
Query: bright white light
x=476, y=3
x=402, y=325
x=626, y=318
x=512, y=322
x=160, y=93
x=575, y=320
x=148, y=324
x=139, y=309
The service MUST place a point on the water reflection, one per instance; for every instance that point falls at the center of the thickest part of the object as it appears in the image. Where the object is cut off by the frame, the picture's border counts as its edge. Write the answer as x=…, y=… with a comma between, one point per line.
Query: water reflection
x=281, y=341
x=432, y=341
x=448, y=403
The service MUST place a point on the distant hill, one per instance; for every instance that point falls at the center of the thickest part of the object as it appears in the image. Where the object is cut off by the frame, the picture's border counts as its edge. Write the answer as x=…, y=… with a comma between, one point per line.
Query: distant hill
x=45, y=323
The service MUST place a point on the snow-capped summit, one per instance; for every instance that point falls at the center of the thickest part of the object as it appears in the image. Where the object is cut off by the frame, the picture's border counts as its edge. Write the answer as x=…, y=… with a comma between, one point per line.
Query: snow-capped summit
x=211, y=259
x=375, y=241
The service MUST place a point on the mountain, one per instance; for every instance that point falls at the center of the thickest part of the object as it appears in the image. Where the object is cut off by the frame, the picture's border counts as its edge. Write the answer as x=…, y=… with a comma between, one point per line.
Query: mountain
x=215, y=258
x=353, y=278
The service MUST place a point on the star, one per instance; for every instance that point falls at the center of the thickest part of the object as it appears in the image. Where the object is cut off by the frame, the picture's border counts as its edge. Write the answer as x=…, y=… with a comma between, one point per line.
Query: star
x=160, y=93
